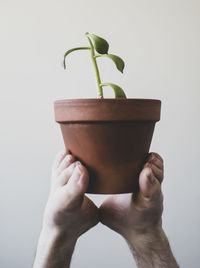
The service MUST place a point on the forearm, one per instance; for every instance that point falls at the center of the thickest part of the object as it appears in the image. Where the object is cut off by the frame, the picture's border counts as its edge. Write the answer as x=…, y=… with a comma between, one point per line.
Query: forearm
x=54, y=249
x=152, y=250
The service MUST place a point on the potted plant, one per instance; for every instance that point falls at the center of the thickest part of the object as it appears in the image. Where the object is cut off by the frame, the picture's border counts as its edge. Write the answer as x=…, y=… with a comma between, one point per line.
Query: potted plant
x=111, y=137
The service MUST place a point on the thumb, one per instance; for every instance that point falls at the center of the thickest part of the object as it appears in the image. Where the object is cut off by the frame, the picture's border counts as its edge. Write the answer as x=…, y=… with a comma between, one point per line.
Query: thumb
x=150, y=187
x=78, y=183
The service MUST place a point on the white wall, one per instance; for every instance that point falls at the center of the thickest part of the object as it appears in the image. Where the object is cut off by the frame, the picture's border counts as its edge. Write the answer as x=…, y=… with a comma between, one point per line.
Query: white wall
x=159, y=41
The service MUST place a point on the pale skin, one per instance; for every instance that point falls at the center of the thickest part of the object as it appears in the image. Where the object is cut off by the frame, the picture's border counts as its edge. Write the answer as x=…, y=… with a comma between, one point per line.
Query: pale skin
x=69, y=213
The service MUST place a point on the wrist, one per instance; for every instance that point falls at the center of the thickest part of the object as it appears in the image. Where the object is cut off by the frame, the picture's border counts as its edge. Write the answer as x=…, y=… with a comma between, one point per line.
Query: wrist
x=148, y=241
x=55, y=248
x=143, y=239
x=59, y=228
x=58, y=236
x=151, y=249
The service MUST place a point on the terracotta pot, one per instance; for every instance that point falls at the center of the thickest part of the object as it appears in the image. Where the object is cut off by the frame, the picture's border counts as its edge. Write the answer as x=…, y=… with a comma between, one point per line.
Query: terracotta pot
x=111, y=137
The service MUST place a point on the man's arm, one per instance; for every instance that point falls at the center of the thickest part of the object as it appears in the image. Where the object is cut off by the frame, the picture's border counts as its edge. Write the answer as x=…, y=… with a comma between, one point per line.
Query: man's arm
x=138, y=218
x=152, y=250
x=54, y=249
x=68, y=213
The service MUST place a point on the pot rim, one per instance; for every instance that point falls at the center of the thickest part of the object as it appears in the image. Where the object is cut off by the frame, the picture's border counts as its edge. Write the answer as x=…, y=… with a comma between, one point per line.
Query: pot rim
x=90, y=100
x=95, y=110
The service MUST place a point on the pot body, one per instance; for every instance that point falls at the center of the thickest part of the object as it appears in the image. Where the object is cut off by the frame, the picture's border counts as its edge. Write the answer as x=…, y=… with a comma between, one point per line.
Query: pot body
x=111, y=137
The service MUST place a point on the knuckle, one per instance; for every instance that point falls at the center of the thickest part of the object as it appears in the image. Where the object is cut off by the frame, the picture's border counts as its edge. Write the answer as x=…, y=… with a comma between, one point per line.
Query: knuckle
x=69, y=169
x=74, y=164
x=157, y=156
x=148, y=165
x=67, y=158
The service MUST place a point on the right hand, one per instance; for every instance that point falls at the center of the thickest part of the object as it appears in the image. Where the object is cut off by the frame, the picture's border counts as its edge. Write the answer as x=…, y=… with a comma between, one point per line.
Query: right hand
x=133, y=217
x=68, y=210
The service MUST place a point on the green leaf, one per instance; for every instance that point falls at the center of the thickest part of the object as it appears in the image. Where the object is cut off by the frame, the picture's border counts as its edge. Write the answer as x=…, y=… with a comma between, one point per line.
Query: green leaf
x=119, y=93
x=100, y=44
x=71, y=50
x=117, y=60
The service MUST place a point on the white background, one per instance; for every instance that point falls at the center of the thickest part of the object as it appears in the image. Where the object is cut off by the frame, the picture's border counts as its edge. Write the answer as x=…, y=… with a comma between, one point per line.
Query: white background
x=160, y=43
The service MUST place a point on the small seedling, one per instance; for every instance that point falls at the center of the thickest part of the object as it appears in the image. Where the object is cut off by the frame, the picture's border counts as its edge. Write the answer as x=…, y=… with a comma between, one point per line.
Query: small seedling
x=101, y=46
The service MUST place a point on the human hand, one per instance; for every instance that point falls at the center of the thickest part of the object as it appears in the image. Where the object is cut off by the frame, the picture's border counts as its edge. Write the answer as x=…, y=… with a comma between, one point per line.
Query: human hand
x=68, y=209
x=131, y=216
x=138, y=218
x=68, y=213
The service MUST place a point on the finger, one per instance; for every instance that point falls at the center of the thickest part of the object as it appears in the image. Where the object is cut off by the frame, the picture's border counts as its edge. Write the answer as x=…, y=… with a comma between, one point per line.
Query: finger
x=64, y=176
x=93, y=215
x=77, y=184
x=157, y=172
x=67, y=160
x=156, y=159
x=59, y=157
x=105, y=210
x=154, y=154
x=150, y=188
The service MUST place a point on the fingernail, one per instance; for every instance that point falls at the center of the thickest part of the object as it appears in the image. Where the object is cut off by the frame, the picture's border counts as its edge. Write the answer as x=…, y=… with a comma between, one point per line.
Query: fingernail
x=68, y=158
x=79, y=165
x=63, y=152
x=79, y=170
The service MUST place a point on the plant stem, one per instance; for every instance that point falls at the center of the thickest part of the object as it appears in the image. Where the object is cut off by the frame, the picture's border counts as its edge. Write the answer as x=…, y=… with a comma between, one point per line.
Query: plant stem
x=100, y=91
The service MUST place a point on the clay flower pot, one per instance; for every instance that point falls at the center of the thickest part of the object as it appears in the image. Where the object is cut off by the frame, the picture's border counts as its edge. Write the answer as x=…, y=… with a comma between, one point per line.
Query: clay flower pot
x=111, y=137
